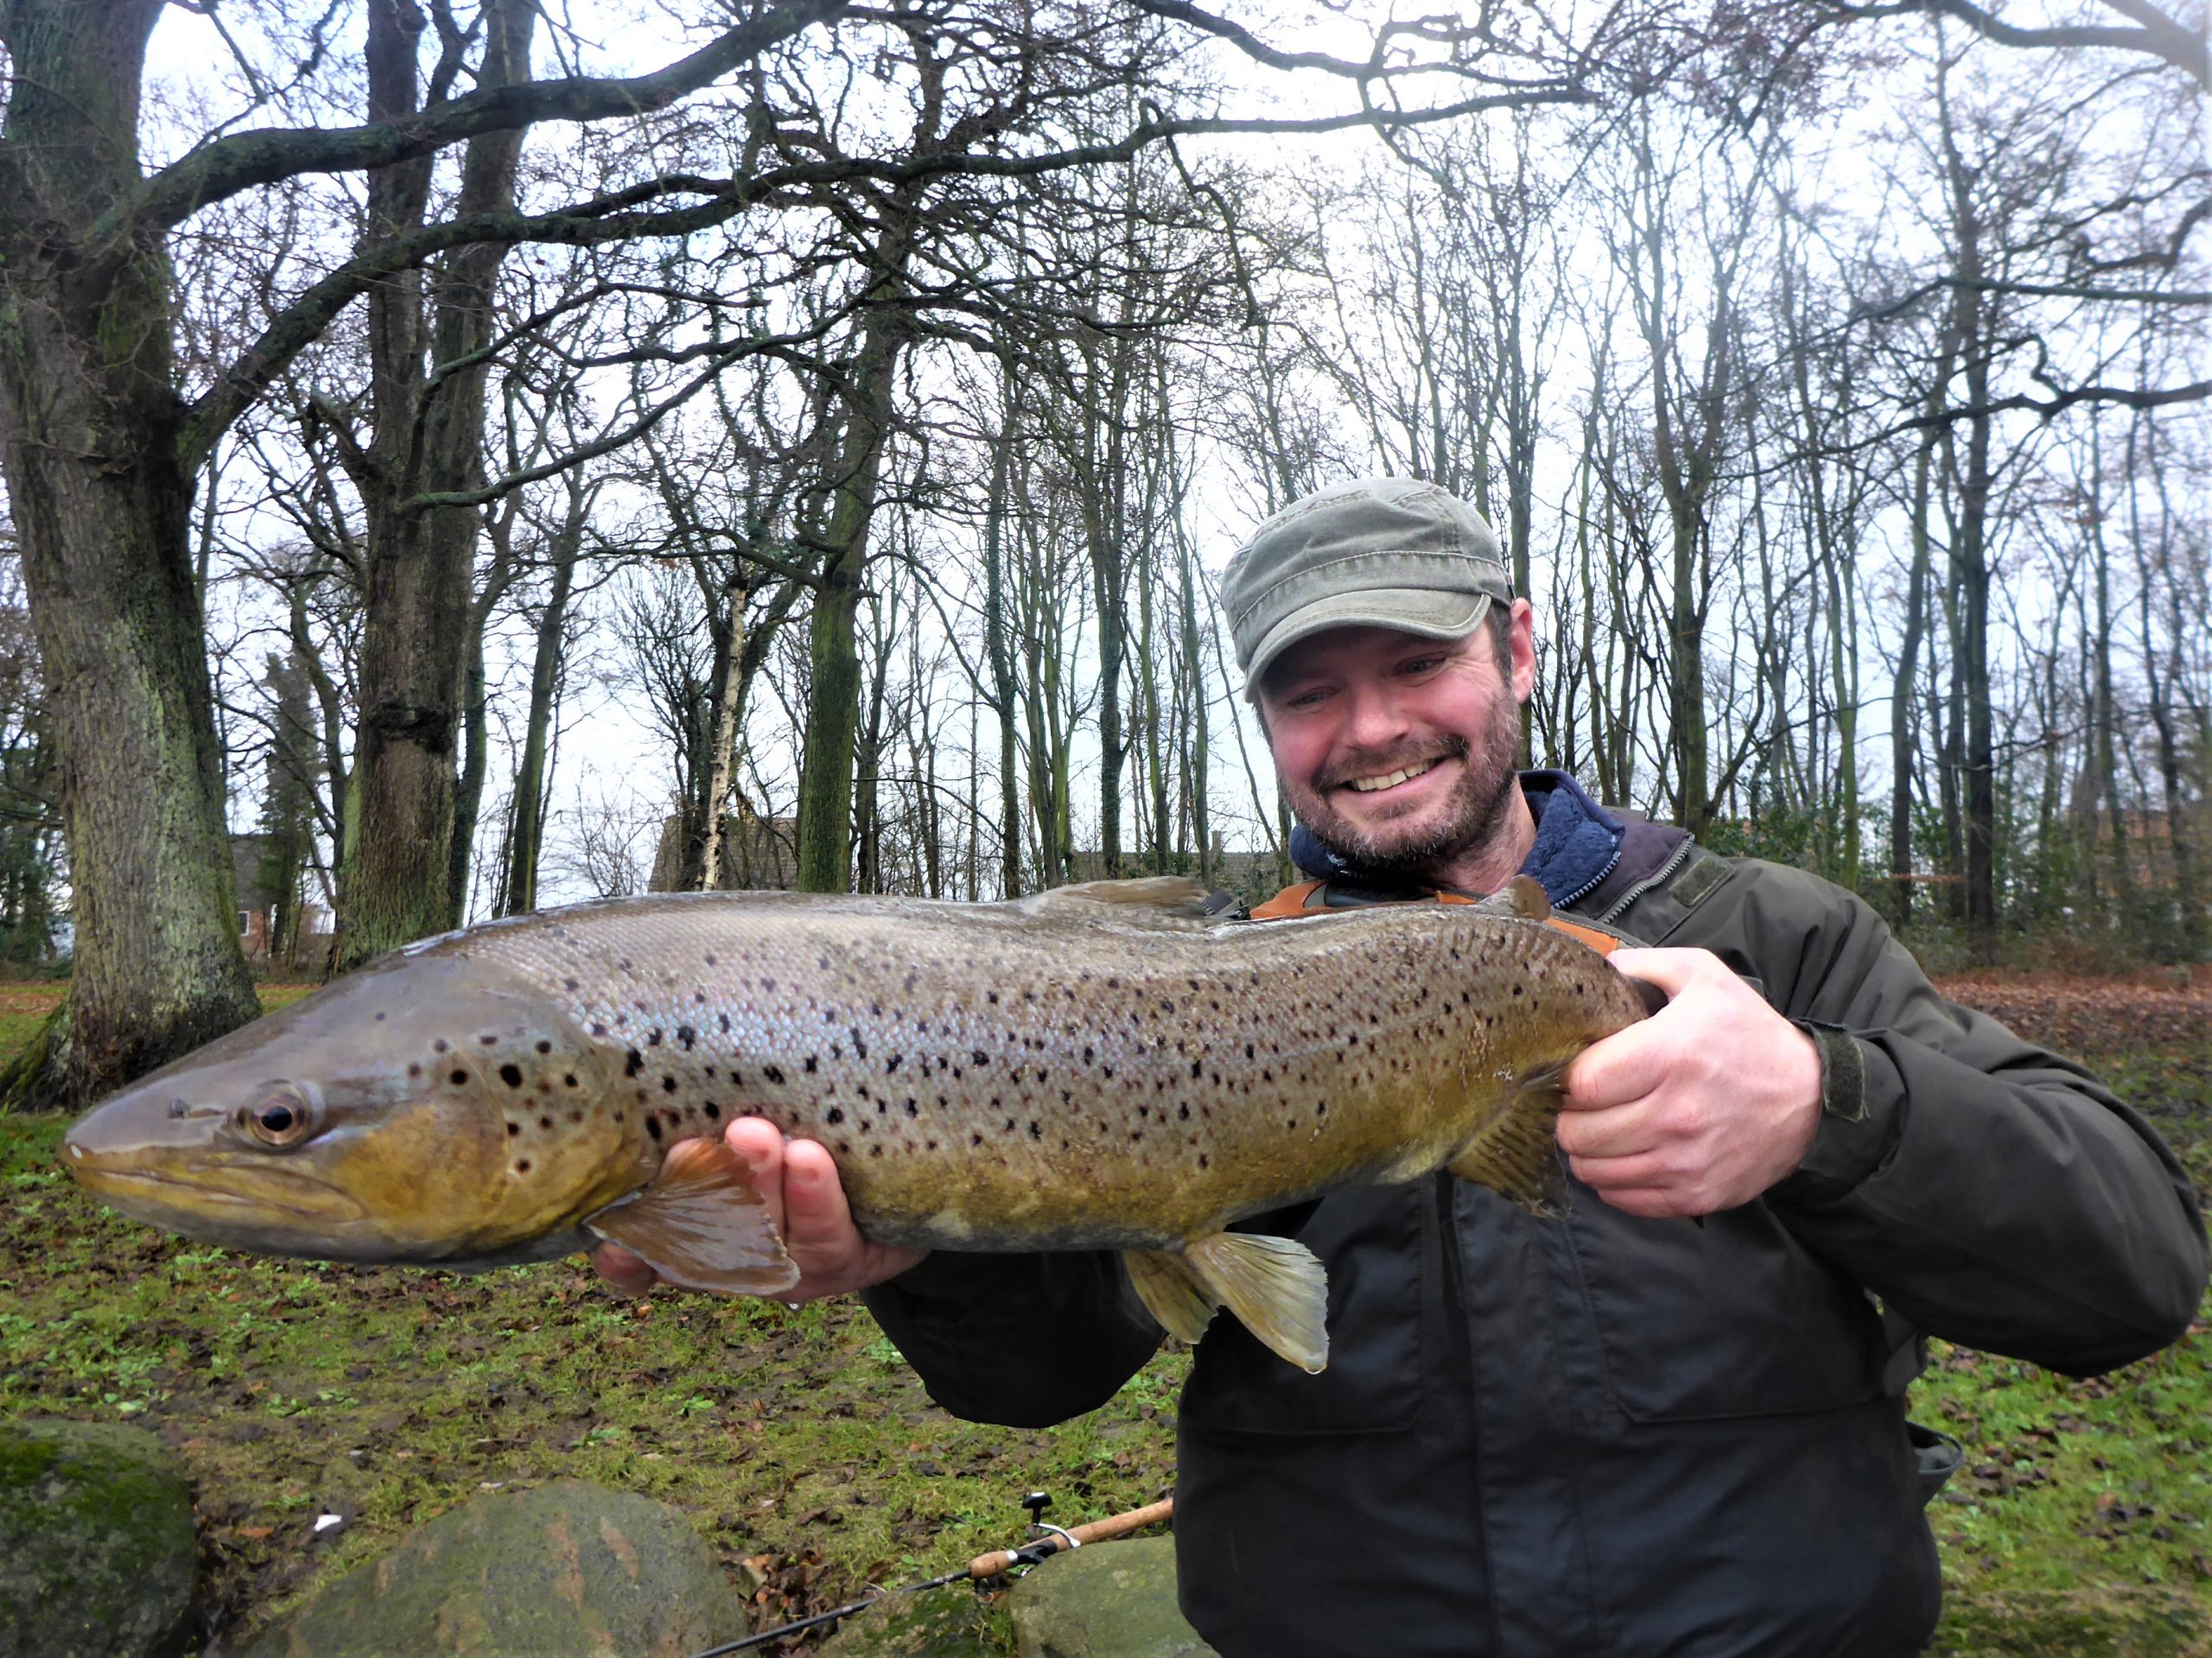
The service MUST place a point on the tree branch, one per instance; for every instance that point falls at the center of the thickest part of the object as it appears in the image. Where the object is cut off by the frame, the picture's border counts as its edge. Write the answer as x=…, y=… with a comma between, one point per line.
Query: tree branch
x=246, y=159
x=2158, y=36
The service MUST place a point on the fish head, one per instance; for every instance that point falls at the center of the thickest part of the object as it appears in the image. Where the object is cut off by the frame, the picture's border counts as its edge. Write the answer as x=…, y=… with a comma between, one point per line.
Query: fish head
x=425, y=1108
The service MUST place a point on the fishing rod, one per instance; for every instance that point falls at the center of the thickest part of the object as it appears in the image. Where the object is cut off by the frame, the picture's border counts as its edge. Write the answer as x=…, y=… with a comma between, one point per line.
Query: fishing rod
x=1046, y=1539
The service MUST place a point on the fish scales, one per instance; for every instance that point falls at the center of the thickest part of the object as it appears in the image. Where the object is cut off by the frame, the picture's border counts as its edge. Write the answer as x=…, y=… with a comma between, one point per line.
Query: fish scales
x=1088, y=1068
x=978, y=1091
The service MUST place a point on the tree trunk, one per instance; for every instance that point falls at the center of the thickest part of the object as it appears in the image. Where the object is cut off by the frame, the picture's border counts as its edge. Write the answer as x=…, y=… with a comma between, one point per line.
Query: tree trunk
x=88, y=447
x=398, y=880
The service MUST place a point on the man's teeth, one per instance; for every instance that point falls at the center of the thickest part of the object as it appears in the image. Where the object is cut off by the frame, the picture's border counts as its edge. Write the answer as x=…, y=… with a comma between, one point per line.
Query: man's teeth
x=1391, y=779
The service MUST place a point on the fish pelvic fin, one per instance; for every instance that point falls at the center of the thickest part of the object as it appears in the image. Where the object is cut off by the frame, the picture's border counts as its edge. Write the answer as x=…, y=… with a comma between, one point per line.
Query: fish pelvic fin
x=1170, y=1292
x=1275, y=1285
x=1522, y=897
x=1516, y=1154
x=702, y=1224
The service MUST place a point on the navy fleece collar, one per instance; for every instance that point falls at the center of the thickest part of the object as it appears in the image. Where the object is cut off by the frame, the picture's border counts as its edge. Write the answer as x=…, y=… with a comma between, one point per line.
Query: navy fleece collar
x=1578, y=841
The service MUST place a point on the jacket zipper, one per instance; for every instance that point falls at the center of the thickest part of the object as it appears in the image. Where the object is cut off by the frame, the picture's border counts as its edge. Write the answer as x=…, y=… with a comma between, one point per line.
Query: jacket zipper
x=1663, y=873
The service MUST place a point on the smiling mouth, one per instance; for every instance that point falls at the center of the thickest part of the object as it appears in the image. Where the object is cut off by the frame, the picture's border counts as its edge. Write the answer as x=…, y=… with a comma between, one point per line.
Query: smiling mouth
x=1392, y=779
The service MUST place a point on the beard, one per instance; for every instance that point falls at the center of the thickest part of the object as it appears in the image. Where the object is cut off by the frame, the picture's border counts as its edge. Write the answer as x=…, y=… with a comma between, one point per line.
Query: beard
x=1472, y=813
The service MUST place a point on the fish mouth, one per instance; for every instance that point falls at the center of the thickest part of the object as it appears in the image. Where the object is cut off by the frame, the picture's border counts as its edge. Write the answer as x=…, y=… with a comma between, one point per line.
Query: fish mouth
x=143, y=1194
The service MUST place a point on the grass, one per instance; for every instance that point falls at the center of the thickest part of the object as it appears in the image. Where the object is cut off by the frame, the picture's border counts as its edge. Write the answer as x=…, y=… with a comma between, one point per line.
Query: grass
x=812, y=1463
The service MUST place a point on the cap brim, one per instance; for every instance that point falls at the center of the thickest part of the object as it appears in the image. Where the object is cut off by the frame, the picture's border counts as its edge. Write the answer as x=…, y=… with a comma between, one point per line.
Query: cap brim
x=1421, y=611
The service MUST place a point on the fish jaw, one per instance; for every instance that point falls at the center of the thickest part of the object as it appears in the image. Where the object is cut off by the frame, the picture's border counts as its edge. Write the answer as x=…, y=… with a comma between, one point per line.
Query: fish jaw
x=429, y=1109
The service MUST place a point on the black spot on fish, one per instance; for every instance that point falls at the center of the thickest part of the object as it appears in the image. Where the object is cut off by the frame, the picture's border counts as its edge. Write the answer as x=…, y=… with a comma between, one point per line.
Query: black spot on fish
x=1184, y=1112
x=1105, y=1070
x=489, y=1040
x=633, y=1064
x=767, y=984
x=1166, y=1005
x=775, y=1075
x=1196, y=1068
x=1035, y=1132
x=569, y=984
x=912, y=1110
x=725, y=1023
x=1248, y=1054
x=835, y=1116
x=380, y=1019
x=653, y=1037
x=652, y=1125
x=1087, y=1056
x=667, y=1084
x=980, y=1056
x=974, y=1139
x=687, y=1036
x=860, y=1046
x=569, y=1080
x=439, y=1046
x=599, y=1030
x=875, y=1150
x=1205, y=1162
x=710, y=958
x=545, y=1122
x=891, y=1063
x=522, y=1167
x=992, y=997
x=514, y=1128
x=810, y=1065
x=511, y=1074
x=458, y=1079
x=413, y=1068
x=576, y=1116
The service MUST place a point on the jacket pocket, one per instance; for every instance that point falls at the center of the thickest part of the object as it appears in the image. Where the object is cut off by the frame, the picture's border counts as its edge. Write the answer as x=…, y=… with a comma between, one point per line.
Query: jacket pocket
x=1732, y=1318
x=1377, y=1245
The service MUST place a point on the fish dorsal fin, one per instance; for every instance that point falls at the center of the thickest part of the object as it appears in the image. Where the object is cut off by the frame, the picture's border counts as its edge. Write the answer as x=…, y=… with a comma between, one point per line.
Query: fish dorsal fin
x=1163, y=1282
x=1274, y=1287
x=703, y=1223
x=1175, y=899
x=1516, y=1154
x=1521, y=898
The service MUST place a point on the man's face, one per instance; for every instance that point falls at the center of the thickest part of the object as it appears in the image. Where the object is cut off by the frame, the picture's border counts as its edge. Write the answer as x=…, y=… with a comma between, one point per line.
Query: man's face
x=1395, y=750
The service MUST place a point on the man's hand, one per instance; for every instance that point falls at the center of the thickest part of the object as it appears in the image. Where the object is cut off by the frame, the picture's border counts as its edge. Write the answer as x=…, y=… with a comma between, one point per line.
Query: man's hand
x=807, y=1201
x=1698, y=1108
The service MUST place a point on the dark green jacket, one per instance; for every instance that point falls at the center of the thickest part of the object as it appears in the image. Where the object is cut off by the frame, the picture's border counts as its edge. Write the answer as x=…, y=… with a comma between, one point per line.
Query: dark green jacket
x=1619, y=1436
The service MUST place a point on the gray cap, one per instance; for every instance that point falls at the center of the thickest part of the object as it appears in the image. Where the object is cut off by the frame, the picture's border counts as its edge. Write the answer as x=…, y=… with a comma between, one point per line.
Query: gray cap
x=1382, y=552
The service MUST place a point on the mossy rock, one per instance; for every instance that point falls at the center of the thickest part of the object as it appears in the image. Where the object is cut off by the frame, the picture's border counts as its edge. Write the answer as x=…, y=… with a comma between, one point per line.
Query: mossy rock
x=2084, y=1623
x=948, y=1622
x=1112, y=1600
x=569, y=1570
x=98, y=1556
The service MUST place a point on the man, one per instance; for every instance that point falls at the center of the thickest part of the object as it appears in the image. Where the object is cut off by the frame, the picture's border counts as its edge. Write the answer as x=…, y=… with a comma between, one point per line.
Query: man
x=1620, y=1433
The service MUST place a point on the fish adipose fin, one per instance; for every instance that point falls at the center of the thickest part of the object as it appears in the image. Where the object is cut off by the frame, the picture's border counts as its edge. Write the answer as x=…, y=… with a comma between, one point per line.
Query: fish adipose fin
x=1516, y=1155
x=1274, y=1285
x=702, y=1224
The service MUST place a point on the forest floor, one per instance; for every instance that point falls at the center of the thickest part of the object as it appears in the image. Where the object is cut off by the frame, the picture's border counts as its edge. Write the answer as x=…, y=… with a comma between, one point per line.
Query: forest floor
x=813, y=1464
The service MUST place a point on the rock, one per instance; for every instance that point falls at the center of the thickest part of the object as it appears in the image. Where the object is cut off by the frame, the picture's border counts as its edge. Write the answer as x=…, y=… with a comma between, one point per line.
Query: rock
x=569, y=1570
x=948, y=1623
x=1111, y=1600
x=98, y=1554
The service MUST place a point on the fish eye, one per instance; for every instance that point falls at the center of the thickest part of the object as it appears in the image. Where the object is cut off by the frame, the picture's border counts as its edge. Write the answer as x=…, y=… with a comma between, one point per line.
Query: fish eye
x=281, y=1118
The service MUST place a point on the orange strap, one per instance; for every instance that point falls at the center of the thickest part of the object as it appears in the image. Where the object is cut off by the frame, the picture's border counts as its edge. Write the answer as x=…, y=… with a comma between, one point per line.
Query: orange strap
x=1293, y=901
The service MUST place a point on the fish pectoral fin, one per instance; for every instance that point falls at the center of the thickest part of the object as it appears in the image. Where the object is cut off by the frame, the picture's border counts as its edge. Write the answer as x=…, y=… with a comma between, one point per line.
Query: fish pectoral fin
x=1170, y=1292
x=1516, y=1153
x=1275, y=1285
x=702, y=1224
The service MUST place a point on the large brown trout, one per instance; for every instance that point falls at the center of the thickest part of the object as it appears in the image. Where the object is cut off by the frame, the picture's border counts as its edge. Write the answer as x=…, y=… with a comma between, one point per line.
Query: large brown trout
x=1093, y=1068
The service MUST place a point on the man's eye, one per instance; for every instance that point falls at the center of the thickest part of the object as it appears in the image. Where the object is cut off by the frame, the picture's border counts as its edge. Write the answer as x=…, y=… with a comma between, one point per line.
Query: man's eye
x=1419, y=664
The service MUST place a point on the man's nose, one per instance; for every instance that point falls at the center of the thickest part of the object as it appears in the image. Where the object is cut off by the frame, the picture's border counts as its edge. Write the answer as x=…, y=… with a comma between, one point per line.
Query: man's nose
x=1374, y=717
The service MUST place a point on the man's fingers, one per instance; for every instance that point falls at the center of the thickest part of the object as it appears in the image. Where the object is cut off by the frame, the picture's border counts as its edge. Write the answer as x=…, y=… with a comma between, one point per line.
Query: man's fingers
x=816, y=1216
x=1620, y=1131
x=624, y=1272
x=1670, y=969
x=761, y=1145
